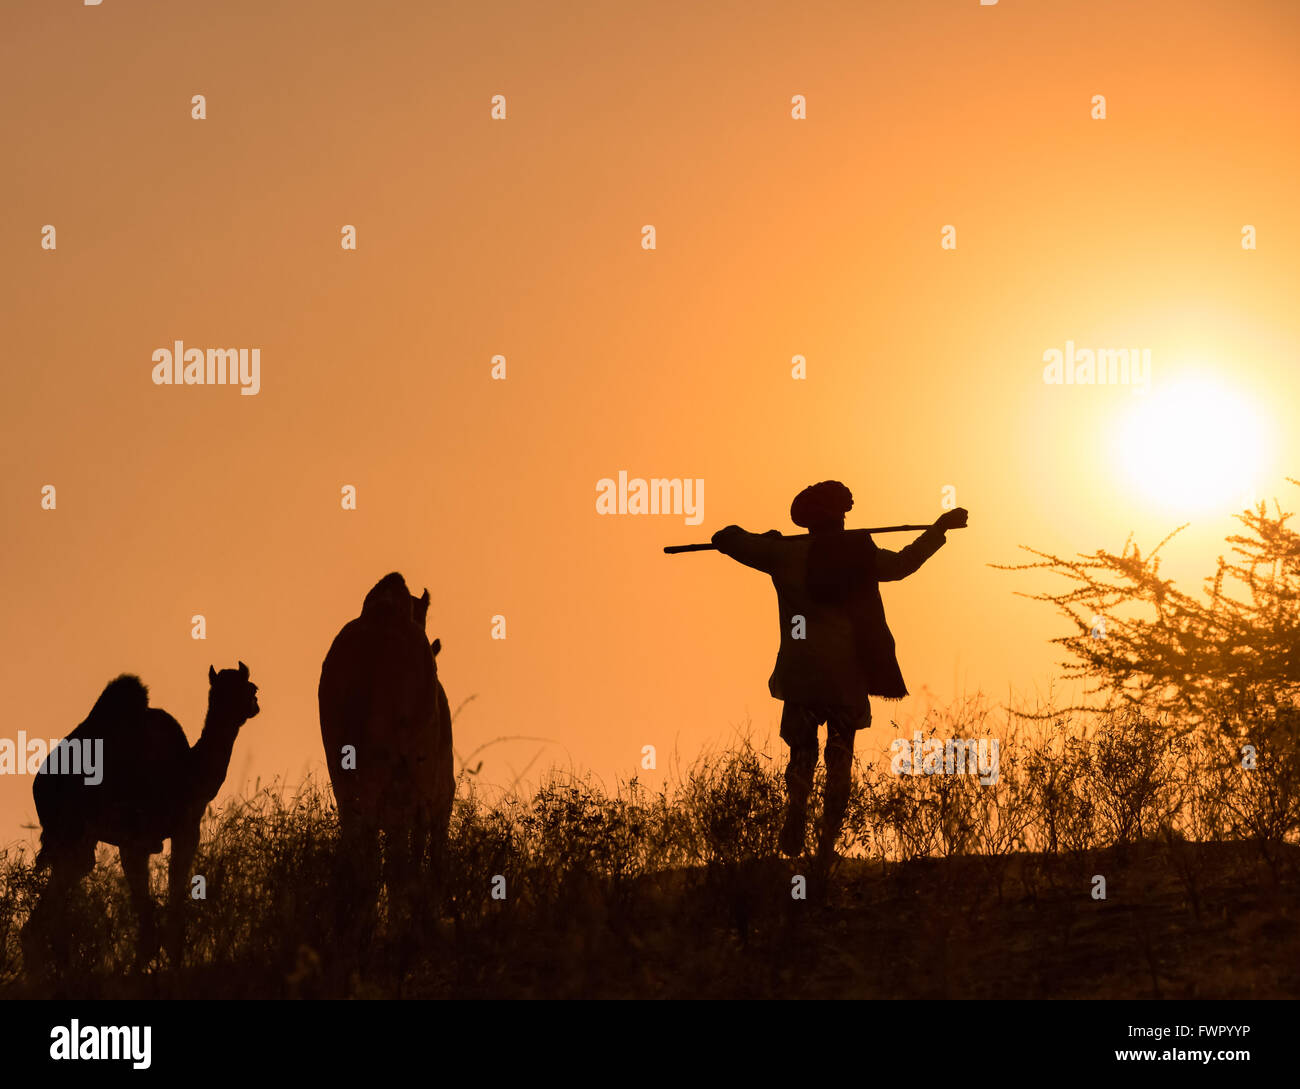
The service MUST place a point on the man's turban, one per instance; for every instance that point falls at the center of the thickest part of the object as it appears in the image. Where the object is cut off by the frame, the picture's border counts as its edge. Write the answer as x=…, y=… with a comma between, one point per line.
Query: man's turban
x=820, y=503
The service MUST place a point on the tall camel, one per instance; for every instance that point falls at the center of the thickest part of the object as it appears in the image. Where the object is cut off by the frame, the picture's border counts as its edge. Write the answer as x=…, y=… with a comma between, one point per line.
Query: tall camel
x=155, y=786
x=387, y=736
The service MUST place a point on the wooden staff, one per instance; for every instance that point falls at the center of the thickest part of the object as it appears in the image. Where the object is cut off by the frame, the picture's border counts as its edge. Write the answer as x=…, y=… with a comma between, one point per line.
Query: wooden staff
x=672, y=550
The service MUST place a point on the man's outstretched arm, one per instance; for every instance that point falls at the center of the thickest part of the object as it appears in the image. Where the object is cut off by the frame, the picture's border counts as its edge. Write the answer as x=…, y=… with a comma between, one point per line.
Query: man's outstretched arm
x=892, y=566
x=756, y=550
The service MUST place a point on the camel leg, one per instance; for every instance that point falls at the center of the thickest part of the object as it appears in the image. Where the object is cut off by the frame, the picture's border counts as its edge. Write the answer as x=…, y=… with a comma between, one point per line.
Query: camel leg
x=397, y=853
x=185, y=842
x=438, y=842
x=444, y=799
x=405, y=843
x=135, y=865
x=46, y=936
x=358, y=881
x=401, y=820
x=435, y=882
x=419, y=865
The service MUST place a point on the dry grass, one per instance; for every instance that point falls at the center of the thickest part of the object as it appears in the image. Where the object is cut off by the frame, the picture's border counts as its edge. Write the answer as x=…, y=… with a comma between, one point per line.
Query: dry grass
x=950, y=889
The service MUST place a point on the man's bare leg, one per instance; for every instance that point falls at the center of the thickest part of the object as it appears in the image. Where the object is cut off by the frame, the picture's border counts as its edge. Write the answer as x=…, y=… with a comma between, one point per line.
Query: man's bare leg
x=839, y=774
x=799, y=730
x=842, y=725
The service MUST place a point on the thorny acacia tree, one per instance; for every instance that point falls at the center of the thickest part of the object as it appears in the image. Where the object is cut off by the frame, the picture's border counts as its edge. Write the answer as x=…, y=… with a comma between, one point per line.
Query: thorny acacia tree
x=1213, y=659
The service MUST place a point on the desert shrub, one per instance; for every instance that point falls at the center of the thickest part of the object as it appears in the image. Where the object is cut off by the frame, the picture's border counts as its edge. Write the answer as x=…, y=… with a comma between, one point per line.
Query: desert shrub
x=268, y=863
x=731, y=804
x=1131, y=773
x=1264, y=800
x=481, y=844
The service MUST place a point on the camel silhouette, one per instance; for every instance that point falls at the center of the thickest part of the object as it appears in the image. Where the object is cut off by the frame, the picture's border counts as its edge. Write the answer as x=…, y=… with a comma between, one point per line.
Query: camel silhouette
x=155, y=786
x=386, y=728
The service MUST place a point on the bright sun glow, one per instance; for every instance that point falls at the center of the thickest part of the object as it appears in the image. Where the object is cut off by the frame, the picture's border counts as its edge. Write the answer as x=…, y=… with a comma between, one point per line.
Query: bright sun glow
x=1193, y=445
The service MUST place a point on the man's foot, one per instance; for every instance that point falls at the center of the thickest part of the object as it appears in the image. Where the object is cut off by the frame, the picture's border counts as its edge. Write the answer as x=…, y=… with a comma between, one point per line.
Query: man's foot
x=792, y=832
x=826, y=849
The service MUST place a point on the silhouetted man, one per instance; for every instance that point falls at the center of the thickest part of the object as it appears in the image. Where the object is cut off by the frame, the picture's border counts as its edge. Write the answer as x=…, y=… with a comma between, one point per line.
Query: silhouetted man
x=836, y=649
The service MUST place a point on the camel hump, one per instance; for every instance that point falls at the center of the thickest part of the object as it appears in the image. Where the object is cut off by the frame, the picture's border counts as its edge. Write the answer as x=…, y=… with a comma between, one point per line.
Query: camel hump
x=124, y=699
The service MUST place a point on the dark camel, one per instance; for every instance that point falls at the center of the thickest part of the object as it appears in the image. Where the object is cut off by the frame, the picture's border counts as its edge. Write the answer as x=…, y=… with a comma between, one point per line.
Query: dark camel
x=386, y=728
x=155, y=786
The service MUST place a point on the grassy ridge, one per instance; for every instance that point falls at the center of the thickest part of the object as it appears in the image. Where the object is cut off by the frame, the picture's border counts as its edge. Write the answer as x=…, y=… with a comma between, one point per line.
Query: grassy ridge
x=950, y=888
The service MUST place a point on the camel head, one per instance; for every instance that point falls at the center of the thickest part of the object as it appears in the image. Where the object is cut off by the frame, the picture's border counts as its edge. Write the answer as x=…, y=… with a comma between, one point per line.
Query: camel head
x=389, y=598
x=232, y=695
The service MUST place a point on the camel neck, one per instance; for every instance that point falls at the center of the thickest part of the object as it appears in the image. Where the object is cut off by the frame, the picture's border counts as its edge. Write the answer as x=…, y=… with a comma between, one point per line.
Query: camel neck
x=211, y=753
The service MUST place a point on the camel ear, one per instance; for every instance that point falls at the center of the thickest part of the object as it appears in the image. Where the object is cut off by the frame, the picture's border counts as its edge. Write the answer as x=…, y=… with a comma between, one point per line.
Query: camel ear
x=243, y=670
x=436, y=646
x=212, y=675
x=425, y=599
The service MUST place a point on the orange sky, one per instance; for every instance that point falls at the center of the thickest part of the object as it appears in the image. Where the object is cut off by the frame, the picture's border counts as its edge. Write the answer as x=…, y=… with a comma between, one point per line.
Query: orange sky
x=522, y=237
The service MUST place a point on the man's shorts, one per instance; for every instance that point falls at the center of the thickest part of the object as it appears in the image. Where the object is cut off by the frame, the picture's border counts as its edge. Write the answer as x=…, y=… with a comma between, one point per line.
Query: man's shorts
x=799, y=722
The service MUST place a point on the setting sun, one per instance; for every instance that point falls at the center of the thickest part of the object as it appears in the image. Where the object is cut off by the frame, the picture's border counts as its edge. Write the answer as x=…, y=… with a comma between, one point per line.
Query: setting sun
x=1193, y=445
